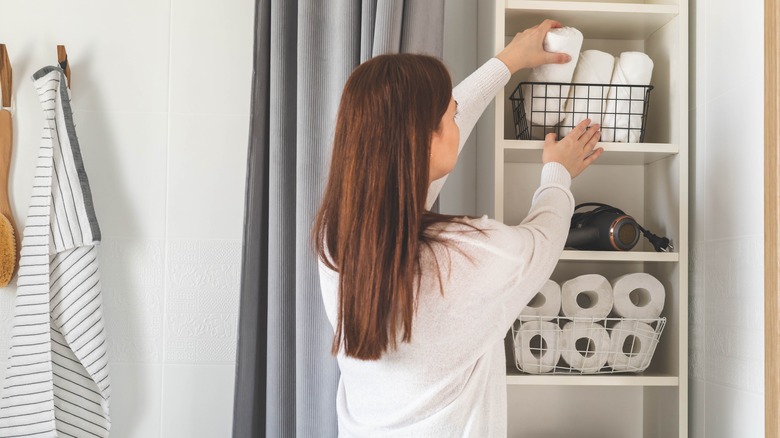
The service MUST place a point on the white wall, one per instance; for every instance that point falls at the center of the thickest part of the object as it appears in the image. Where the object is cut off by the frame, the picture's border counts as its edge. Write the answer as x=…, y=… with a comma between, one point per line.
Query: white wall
x=161, y=94
x=726, y=276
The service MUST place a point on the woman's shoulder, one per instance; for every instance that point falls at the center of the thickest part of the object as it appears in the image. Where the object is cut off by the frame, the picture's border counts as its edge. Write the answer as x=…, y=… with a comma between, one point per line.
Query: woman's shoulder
x=482, y=232
x=467, y=223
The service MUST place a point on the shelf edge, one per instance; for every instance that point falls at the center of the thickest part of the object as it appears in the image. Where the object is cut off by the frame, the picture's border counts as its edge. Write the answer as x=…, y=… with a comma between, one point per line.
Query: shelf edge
x=557, y=380
x=638, y=148
x=641, y=8
x=615, y=256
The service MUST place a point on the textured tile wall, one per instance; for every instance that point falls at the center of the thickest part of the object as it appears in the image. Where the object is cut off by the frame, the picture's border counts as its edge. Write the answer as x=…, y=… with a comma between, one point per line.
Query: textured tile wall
x=201, y=303
x=161, y=93
x=133, y=292
x=726, y=268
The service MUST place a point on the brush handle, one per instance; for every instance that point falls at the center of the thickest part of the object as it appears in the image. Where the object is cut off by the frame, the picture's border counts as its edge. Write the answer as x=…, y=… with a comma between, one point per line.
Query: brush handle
x=6, y=145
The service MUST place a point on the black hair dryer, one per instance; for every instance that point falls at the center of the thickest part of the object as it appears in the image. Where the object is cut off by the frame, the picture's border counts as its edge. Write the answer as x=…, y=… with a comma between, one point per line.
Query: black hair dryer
x=606, y=228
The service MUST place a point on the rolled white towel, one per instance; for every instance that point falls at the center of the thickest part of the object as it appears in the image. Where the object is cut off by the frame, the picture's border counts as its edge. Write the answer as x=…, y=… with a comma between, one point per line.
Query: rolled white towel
x=544, y=104
x=587, y=102
x=632, y=68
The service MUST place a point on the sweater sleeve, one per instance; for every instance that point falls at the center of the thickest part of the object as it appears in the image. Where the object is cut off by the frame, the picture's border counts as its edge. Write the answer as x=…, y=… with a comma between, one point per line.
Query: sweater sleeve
x=494, y=273
x=537, y=242
x=473, y=95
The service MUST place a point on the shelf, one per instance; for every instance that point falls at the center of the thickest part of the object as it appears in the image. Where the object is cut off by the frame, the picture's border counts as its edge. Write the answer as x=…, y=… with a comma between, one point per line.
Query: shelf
x=627, y=21
x=617, y=256
x=649, y=179
x=514, y=377
x=530, y=151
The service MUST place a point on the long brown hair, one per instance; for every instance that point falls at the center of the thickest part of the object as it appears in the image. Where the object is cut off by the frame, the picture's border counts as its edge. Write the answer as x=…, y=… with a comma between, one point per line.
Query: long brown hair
x=372, y=222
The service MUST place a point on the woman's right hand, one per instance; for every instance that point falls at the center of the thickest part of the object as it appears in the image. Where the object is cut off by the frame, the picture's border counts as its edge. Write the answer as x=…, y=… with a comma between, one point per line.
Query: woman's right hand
x=577, y=150
x=526, y=50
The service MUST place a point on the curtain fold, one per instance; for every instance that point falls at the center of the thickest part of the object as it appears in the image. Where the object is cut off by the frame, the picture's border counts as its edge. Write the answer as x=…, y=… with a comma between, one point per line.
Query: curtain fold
x=304, y=52
x=249, y=398
x=281, y=368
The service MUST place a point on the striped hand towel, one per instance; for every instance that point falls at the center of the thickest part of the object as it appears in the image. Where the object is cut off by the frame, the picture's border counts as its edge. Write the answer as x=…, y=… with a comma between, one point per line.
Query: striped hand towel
x=57, y=383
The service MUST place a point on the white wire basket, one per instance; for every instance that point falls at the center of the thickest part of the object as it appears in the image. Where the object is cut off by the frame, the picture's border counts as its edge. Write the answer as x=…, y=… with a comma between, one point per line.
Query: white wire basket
x=563, y=345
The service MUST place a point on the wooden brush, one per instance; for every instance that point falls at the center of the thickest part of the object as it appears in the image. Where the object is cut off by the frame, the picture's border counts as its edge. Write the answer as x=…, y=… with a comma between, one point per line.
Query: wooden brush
x=8, y=242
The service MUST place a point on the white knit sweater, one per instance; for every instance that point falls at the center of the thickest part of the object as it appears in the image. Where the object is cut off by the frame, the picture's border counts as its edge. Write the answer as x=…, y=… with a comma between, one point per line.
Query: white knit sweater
x=450, y=380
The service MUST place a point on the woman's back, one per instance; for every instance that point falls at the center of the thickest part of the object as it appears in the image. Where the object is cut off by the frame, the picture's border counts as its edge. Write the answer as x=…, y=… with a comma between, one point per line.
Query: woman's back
x=450, y=379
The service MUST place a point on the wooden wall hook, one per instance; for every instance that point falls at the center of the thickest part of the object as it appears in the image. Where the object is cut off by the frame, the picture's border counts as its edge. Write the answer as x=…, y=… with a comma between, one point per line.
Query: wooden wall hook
x=6, y=78
x=62, y=60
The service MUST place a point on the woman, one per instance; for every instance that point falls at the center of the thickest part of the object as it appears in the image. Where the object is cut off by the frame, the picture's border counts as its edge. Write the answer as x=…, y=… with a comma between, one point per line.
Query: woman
x=420, y=302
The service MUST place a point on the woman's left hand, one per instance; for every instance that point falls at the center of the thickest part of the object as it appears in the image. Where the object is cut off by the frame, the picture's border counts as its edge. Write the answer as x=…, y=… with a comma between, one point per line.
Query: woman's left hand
x=526, y=50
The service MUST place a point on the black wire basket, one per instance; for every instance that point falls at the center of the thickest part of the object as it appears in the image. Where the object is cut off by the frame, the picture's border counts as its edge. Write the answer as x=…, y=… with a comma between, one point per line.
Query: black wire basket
x=540, y=108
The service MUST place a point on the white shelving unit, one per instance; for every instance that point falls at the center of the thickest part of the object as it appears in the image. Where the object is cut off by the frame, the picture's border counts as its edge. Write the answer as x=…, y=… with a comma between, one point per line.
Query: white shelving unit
x=647, y=180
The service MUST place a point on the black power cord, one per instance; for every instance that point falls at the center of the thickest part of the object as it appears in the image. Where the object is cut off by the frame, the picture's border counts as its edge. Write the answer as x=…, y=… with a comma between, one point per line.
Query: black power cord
x=661, y=244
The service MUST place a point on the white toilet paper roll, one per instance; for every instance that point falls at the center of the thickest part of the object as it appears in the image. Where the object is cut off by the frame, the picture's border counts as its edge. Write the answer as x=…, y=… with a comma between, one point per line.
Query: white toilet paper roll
x=536, y=355
x=639, y=296
x=587, y=101
x=546, y=303
x=631, y=346
x=544, y=105
x=584, y=346
x=588, y=296
x=624, y=106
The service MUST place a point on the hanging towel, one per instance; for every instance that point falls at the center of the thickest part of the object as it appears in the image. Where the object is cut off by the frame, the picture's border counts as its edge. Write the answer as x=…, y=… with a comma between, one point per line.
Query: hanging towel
x=57, y=382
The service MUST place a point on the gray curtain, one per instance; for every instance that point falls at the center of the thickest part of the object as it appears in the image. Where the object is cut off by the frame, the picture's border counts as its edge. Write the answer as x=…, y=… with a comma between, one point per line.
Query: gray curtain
x=286, y=378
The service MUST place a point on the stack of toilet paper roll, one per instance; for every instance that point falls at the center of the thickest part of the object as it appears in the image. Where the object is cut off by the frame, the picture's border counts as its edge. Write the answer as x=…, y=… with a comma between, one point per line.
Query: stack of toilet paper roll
x=571, y=322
